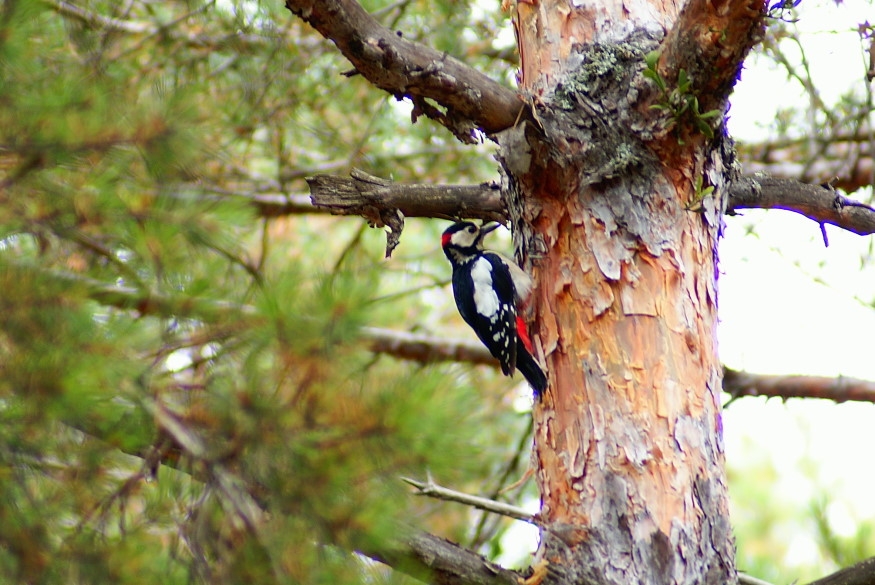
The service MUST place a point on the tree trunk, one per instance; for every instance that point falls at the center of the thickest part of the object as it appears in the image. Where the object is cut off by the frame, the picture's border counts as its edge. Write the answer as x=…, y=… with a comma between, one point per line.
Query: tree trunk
x=610, y=210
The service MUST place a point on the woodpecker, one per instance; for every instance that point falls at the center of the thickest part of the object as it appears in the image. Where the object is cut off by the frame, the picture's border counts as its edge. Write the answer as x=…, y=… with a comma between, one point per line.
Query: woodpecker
x=489, y=288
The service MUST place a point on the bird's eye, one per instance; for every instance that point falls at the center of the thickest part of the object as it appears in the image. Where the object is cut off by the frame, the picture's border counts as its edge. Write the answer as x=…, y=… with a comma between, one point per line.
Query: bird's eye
x=472, y=229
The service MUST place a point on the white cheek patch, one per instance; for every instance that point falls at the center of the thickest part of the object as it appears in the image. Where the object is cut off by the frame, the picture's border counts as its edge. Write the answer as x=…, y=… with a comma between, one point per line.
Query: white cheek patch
x=485, y=299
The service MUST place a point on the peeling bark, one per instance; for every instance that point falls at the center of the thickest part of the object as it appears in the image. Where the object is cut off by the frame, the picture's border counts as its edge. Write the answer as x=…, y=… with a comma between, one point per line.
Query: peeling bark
x=604, y=202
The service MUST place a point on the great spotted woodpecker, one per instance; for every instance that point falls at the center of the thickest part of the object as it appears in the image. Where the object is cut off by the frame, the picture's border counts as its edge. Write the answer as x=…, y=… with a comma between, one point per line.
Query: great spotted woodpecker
x=488, y=288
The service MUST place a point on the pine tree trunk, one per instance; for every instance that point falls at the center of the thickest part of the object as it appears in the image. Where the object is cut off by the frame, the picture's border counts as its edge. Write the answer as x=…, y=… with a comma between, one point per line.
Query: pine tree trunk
x=611, y=215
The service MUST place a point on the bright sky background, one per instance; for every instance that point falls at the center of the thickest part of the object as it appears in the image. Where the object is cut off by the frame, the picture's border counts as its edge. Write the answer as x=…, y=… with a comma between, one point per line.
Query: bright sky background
x=776, y=318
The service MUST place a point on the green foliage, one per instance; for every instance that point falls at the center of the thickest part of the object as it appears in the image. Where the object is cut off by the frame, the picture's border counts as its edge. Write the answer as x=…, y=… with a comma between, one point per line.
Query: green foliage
x=699, y=195
x=186, y=392
x=678, y=100
x=789, y=534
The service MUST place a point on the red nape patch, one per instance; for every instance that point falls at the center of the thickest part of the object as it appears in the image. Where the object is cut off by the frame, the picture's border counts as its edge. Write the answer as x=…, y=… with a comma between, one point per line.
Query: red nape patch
x=523, y=332
x=445, y=239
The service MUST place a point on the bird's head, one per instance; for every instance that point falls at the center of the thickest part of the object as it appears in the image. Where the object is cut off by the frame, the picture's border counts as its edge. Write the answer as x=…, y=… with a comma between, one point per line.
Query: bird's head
x=465, y=238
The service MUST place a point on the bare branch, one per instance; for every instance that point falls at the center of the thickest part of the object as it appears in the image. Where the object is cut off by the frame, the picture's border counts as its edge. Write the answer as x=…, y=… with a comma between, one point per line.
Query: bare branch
x=282, y=205
x=838, y=389
x=863, y=573
x=370, y=197
x=467, y=99
x=431, y=489
x=427, y=348
x=816, y=202
x=365, y=195
x=744, y=579
x=437, y=560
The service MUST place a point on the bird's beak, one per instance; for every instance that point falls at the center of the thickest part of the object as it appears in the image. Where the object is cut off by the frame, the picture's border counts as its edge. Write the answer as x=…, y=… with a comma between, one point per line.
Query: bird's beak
x=488, y=227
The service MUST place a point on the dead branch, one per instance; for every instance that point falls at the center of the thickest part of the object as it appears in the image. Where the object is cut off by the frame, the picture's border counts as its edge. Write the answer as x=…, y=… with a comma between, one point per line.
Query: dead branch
x=370, y=196
x=442, y=88
x=427, y=348
x=366, y=195
x=433, y=490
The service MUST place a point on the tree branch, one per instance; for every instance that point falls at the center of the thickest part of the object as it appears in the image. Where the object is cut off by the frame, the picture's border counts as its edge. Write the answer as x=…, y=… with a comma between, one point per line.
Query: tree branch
x=431, y=489
x=426, y=348
x=844, y=159
x=744, y=579
x=838, y=389
x=816, y=202
x=369, y=196
x=366, y=195
x=863, y=573
x=437, y=560
x=467, y=98
x=709, y=41
x=197, y=39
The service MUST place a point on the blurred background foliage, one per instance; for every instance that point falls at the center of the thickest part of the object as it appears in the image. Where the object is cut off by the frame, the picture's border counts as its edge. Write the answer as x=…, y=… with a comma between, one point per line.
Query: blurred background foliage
x=185, y=389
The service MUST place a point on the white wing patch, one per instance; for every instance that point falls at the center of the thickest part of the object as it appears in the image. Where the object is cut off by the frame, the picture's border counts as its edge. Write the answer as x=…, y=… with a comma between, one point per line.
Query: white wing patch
x=485, y=299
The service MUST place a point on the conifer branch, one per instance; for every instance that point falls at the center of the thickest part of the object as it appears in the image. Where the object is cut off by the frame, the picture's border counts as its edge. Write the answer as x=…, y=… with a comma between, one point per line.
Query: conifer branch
x=419, y=554
x=427, y=348
x=97, y=21
x=431, y=489
x=442, y=88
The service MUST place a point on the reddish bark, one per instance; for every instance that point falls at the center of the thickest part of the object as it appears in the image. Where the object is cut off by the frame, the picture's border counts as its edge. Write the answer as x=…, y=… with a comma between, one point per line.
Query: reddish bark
x=608, y=205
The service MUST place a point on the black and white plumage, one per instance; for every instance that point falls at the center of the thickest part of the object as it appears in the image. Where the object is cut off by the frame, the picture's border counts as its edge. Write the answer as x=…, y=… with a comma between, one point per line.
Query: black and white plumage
x=489, y=288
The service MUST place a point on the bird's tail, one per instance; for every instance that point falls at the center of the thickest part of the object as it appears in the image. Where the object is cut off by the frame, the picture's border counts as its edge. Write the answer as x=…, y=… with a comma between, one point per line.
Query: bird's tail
x=529, y=368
